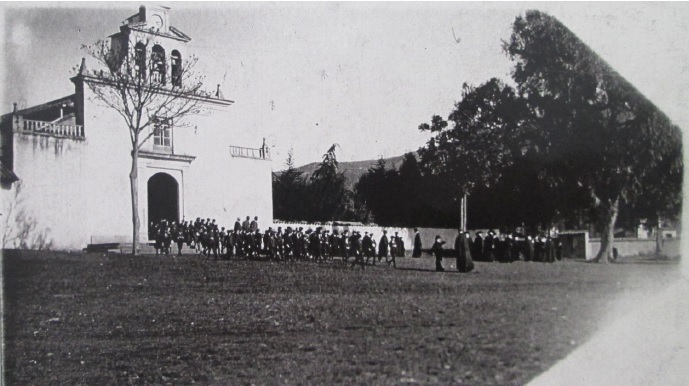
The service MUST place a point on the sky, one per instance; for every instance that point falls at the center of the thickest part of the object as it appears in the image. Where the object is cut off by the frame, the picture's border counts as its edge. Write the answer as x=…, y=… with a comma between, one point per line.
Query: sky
x=362, y=75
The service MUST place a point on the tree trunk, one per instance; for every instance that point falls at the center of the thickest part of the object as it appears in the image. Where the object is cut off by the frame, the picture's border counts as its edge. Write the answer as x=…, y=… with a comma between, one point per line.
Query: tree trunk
x=605, y=254
x=134, y=186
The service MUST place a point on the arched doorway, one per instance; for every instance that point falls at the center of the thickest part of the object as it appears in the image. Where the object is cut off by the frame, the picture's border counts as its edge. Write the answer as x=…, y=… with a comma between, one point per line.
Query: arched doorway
x=163, y=199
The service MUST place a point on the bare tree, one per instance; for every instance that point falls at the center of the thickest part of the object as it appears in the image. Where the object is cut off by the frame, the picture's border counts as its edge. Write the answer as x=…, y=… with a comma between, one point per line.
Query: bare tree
x=148, y=92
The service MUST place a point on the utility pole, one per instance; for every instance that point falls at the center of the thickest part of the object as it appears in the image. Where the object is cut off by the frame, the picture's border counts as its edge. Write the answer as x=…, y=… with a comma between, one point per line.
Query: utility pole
x=463, y=209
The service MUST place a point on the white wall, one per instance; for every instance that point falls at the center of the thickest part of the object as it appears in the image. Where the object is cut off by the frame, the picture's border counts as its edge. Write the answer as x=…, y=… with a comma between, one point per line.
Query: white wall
x=76, y=189
x=49, y=197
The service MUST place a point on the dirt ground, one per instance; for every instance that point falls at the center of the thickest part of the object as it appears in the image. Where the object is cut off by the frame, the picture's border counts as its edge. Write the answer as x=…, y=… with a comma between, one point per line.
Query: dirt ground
x=116, y=319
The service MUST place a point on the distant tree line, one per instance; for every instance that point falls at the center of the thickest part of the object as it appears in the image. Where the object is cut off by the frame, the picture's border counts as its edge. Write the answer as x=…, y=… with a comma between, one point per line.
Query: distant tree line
x=573, y=143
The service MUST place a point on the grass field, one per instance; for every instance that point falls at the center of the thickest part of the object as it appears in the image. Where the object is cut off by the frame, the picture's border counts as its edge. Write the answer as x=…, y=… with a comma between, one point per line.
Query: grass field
x=115, y=319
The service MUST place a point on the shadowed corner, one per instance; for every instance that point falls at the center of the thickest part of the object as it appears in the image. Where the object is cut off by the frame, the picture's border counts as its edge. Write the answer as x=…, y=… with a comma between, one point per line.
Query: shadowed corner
x=648, y=345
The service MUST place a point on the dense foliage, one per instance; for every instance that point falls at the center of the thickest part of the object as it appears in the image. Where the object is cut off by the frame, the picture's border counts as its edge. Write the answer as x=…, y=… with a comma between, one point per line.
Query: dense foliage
x=572, y=144
x=320, y=197
x=595, y=130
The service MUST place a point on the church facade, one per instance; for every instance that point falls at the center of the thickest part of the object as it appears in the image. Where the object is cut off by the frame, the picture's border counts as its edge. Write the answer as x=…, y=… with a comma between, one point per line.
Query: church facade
x=66, y=163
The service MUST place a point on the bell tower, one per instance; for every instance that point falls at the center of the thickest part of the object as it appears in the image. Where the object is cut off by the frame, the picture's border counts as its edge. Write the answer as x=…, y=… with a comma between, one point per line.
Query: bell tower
x=154, y=19
x=157, y=45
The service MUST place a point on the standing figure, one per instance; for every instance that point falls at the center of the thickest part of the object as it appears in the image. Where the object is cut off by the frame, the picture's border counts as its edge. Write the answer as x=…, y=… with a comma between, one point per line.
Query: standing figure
x=344, y=245
x=400, y=245
x=489, y=246
x=357, y=249
x=539, y=248
x=179, y=238
x=229, y=244
x=417, y=244
x=507, y=244
x=437, y=250
x=549, y=250
x=477, y=247
x=393, y=250
x=373, y=248
x=528, y=249
x=464, y=261
x=383, y=246
x=366, y=245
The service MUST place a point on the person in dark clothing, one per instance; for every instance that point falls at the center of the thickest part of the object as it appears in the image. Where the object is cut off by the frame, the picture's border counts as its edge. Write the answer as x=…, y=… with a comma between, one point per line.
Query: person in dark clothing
x=367, y=245
x=539, y=248
x=373, y=248
x=383, y=246
x=507, y=248
x=549, y=250
x=344, y=246
x=498, y=249
x=464, y=261
x=489, y=247
x=400, y=245
x=437, y=250
x=477, y=247
x=516, y=248
x=417, y=244
x=528, y=249
x=393, y=251
x=229, y=244
x=357, y=250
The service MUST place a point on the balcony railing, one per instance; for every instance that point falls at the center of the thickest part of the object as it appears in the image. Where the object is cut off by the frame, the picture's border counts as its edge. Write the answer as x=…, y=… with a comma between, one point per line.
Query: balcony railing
x=245, y=152
x=158, y=77
x=53, y=129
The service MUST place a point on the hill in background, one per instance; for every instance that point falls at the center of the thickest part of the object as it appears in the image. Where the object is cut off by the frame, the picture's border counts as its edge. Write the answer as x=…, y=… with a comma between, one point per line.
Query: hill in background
x=352, y=170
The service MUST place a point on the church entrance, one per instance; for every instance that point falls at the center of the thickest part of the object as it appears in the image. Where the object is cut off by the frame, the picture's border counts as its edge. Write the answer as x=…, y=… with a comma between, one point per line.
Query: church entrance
x=163, y=200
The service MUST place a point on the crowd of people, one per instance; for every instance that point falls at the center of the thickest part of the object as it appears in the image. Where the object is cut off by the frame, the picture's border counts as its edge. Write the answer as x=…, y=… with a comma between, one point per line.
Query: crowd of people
x=504, y=248
x=245, y=240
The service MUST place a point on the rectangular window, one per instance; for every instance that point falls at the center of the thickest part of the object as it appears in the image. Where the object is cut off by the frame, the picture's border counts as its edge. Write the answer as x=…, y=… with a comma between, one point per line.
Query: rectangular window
x=162, y=137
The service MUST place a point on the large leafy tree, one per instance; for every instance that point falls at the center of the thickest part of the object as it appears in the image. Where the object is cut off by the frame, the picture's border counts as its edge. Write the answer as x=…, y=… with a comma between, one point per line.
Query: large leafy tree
x=149, y=95
x=596, y=130
x=488, y=132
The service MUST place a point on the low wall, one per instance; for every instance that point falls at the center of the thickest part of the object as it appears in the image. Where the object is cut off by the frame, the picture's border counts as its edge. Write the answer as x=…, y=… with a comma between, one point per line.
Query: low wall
x=634, y=247
x=407, y=234
x=576, y=244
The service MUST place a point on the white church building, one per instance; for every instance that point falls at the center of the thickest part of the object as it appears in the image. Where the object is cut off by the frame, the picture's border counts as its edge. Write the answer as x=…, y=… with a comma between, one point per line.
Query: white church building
x=66, y=163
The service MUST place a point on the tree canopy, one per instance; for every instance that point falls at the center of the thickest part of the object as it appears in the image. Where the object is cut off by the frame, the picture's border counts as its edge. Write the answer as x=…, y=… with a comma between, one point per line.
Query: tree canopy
x=571, y=143
x=320, y=197
x=596, y=129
